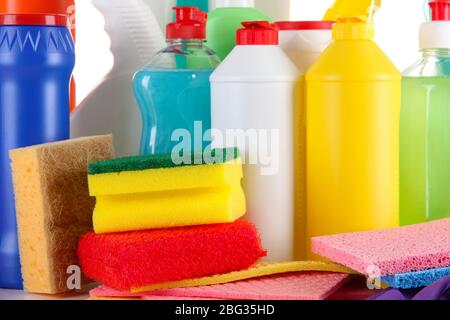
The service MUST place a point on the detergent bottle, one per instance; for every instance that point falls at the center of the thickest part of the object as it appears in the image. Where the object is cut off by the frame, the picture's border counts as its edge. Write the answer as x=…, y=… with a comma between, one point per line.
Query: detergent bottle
x=304, y=41
x=425, y=123
x=353, y=114
x=253, y=108
x=225, y=19
x=173, y=89
x=37, y=56
x=65, y=7
x=111, y=107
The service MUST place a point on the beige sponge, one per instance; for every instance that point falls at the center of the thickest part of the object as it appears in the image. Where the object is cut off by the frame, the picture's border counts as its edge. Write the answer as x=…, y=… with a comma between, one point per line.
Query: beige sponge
x=53, y=207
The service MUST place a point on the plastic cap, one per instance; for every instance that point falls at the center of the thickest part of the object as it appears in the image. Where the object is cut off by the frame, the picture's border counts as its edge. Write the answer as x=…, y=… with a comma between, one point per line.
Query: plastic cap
x=304, y=25
x=257, y=33
x=353, y=29
x=34, y=20
x=440, y=10
x=234, y=3
x=361, y=9
x=435, y=35
x=190, y=23
x=36, y=6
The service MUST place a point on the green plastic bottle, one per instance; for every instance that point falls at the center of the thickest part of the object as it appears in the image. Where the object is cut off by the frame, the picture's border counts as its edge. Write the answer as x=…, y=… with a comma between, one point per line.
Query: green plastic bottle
x=225, y=20
x=425, y=125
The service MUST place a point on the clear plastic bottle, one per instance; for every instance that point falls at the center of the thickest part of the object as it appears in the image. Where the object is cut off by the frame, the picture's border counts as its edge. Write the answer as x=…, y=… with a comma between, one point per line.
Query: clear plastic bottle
x=173, y=90
x=425, y=123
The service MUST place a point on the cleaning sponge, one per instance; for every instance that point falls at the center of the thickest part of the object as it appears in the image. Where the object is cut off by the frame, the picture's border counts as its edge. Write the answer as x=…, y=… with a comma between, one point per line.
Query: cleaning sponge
x=260, y=270
x=53, y=207
x=413, y=280
x=148, y=192
x=393, y=251
x=155, y=173
x=135, y=259
x=288, y=286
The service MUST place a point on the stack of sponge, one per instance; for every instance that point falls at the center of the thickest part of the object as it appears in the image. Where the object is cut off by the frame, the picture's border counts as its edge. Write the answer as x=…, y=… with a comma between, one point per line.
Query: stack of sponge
x=148, y=192
x=404, y=258
x=157, y=220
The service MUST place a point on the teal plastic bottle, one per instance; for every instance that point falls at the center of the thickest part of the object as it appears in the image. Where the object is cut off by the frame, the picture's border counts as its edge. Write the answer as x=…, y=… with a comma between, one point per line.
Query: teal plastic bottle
x=173, y=91
x=425, y=125
x=226, y=19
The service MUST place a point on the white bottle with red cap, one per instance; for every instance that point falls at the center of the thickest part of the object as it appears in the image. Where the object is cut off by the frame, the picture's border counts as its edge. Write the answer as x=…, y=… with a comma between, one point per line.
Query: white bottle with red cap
x=304, y=41
x=253, y=108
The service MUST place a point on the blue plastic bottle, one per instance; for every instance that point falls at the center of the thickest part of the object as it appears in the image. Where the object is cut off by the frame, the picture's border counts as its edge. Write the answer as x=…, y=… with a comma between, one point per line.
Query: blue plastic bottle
x=36, y=63
x=173, y=90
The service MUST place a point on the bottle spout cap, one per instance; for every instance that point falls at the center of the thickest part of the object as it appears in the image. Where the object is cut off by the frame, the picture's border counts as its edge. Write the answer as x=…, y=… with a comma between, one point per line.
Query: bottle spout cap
x=257, y=33
x=440, y=10
x=360, y=10
x=190, y=23
x=354, y=19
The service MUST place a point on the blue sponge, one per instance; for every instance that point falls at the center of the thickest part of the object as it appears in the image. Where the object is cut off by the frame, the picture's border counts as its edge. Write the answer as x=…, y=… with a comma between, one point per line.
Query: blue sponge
x=415, y=279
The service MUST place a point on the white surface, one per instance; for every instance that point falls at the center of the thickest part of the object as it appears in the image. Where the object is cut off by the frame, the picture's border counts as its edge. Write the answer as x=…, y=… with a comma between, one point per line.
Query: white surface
x=21, y=295
x=254, y=89
x=435, y=35
x=112, y=107
x=304, y=46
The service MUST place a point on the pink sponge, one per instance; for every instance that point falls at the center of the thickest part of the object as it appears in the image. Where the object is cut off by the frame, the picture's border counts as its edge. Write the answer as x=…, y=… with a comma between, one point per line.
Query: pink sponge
x=389, y=252
x=290, y=286
x=136, y=259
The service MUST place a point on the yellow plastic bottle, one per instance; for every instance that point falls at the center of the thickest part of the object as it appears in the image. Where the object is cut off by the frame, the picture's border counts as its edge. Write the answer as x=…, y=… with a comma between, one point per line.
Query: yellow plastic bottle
x=353, y=110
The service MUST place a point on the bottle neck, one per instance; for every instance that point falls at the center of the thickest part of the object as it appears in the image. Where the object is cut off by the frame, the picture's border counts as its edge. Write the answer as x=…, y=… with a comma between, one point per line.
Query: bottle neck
x=436, y=53
x=198, y=43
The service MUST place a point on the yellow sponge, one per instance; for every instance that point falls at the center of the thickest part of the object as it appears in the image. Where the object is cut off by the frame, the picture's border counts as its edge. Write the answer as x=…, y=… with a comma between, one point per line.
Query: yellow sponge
x=165, y=179
x=53, y=207
x=142, y=211
x=261, y=270
x=148, y=192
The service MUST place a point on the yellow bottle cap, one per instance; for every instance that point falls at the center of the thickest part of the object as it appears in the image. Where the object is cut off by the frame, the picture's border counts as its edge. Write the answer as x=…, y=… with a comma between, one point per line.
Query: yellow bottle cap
x=353, y=29
x=364, y=9
x=354, y=19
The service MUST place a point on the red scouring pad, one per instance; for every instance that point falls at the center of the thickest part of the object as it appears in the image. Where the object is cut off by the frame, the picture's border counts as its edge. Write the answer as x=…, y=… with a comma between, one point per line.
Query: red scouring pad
x=134, y=259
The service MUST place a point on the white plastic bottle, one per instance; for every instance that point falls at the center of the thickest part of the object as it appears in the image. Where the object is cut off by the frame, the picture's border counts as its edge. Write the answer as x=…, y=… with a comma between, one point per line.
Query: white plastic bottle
x=111, y=107
x=253, y=108
x=276, y=9
x=304, y=41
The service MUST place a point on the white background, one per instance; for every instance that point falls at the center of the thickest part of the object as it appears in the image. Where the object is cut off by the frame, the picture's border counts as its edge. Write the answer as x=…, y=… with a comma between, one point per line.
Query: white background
x=397, y=29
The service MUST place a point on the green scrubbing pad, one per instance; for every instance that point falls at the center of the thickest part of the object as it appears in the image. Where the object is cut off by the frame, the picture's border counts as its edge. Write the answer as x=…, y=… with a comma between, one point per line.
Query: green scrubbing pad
x=164, y=161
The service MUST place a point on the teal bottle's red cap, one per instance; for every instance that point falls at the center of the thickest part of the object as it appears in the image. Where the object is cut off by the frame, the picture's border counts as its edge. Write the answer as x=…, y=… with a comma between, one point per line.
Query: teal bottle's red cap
x=190, y=23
